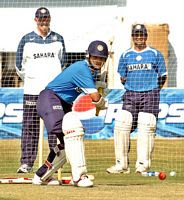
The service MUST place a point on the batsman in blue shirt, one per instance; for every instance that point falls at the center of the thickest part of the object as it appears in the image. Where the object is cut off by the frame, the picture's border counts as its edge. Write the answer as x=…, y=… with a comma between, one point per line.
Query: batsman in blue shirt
x=54, y=106
x=143, y=73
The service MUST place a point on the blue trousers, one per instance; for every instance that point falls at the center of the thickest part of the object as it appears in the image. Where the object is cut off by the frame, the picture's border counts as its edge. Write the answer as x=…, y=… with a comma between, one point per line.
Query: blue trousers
x=136, y=102
x=30, y=131
x=52, y=109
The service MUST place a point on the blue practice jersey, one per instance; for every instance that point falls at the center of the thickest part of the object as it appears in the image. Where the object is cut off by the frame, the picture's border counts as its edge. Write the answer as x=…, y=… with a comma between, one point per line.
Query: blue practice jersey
x=74, y=80
x=141, y=69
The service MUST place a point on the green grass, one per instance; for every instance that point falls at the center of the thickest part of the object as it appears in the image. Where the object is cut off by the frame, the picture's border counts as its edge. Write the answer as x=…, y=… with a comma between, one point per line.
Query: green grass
x=168, y=155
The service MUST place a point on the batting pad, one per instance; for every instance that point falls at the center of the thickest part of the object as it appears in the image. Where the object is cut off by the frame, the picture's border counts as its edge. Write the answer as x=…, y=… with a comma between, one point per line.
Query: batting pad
x=74, y=144
x=145, y=139
x=122, y=128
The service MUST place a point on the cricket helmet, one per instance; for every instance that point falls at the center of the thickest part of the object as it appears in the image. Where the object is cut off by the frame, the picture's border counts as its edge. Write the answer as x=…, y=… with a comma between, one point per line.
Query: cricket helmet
x=98, y=48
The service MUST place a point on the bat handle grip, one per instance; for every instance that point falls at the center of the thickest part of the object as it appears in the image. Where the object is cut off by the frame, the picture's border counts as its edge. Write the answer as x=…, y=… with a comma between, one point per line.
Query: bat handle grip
x=101, y=91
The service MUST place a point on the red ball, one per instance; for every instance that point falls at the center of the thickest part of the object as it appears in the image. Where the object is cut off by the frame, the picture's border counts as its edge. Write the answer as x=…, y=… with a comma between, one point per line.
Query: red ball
x=66, y=181
x=162, y=175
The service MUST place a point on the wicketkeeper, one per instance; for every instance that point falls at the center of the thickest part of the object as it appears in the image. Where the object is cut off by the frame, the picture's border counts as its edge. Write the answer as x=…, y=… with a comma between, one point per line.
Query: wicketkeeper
x=143, y=74
x=54, y=107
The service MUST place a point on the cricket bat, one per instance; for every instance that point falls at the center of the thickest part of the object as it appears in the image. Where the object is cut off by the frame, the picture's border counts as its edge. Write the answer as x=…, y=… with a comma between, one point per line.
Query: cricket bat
x=41, y=143
x=105, y=69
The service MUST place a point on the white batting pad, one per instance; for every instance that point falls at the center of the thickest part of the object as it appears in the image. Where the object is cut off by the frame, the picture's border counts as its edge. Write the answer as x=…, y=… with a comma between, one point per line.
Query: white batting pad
x=122, y=128
x=71, y=124
x=145, y=139
x=74, y=144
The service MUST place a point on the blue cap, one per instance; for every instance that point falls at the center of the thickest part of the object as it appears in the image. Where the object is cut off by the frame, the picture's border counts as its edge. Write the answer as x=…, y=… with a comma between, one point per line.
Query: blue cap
x=98, y=48
x=139, y=29
x=42, y=12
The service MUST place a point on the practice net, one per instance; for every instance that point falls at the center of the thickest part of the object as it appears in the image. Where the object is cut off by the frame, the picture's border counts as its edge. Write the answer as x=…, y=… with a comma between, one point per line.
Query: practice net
x=80, y=22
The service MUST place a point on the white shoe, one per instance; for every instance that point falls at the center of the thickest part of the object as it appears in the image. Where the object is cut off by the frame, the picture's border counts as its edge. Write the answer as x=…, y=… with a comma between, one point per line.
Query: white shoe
x=24, y=169
x=37, y=181
x=140, y=168
x=84, y=181
x=116, y=169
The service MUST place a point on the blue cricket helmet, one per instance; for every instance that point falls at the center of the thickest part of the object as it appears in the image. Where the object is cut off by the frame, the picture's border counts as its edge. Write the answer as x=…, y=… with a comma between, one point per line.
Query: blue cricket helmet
x=98, y=48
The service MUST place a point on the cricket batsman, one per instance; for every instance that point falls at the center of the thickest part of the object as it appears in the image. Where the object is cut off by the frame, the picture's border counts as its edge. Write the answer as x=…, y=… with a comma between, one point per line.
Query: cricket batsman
x=143, y=73
x=54, y=107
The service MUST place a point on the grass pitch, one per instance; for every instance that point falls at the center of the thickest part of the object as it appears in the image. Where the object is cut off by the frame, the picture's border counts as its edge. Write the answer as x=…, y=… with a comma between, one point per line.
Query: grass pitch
x=168, y=155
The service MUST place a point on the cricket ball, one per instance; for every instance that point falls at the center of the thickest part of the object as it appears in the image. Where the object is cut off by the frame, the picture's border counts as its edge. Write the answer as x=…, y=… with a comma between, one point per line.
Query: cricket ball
x=162, y=176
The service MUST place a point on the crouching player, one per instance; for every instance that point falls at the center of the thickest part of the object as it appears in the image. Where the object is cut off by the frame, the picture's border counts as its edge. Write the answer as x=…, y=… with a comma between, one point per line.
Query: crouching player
x=143, y=74
x=54, y=107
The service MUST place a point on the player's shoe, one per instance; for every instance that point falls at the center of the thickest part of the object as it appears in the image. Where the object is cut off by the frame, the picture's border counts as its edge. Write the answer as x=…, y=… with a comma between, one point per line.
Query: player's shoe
x=140, y=168
x=84, y=181
x=24, y=169
x=116, y=169
x=51, y=181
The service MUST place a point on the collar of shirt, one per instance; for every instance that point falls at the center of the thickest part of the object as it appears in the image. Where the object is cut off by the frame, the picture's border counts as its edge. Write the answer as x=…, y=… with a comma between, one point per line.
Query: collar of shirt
x=38, y=33
x=133, y=49
x=87, y=62
x=90, y=67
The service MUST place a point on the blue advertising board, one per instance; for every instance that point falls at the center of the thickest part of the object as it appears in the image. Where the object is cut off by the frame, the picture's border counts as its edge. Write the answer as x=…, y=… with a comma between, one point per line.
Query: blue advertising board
x=170, y=121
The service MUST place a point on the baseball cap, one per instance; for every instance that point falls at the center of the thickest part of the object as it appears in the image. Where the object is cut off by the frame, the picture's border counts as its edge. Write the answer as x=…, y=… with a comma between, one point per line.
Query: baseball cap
x=139, y=29
x=42, y=12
